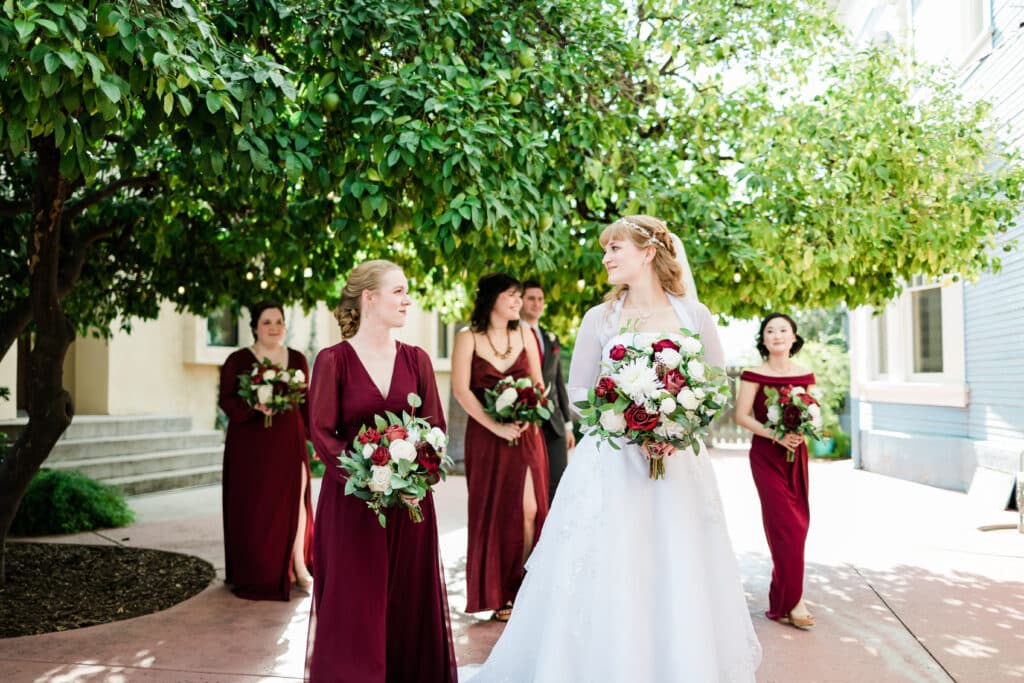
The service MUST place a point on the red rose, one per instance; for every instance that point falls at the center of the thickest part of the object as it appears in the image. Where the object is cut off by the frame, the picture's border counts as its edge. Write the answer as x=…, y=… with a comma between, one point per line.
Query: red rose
x=674, y=381
x=527, y=397
x=427, y=457
x=663, y=344
x=618, y=352
x=380, y=456
x=792, y=416
x=807, y=399
x=606, y=389
x=639, y=419
x=369, y=436
x=395, y=432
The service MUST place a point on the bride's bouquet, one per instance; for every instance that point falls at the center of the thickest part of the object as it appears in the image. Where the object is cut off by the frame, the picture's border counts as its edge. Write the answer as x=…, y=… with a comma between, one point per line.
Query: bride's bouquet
x=517, y=400
x=658, y=393
x=396, y=462
x=792, y=410
x=272, y=386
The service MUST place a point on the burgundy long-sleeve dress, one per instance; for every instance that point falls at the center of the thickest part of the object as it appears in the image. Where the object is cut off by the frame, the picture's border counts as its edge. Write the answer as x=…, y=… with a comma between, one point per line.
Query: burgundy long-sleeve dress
x=495, y=478
x=380, y=608
x=261, y=483
x=782, y=487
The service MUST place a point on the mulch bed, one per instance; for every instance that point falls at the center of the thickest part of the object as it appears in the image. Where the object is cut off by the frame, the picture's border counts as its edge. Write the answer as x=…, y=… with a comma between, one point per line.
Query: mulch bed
x=57, y=586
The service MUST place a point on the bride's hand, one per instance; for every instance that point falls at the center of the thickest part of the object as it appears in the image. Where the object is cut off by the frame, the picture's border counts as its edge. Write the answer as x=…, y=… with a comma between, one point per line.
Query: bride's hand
x=658, y=450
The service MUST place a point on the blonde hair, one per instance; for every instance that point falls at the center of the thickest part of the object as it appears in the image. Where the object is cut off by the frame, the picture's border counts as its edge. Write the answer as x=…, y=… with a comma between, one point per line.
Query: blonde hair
x=365, y=276
x=648, y=231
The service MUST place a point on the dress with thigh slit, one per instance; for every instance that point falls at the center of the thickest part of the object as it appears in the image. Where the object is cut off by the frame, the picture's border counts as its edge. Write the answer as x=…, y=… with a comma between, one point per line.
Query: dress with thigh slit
x=495, y=478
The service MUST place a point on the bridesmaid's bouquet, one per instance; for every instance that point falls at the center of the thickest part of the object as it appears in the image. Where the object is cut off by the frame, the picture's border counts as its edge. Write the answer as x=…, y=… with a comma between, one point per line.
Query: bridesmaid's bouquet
x=792, y=410
x=272, y=386
x=517, y=400
x=396, y=462
x=657, y=393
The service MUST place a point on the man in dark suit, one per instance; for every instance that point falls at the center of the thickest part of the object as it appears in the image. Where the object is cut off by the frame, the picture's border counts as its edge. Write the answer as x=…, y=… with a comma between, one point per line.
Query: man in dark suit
x=558, y=430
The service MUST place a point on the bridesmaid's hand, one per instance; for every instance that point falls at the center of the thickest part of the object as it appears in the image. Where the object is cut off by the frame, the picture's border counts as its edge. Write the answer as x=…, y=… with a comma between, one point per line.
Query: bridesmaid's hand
x=507, y=431
x=263, y=409
x=411, y=501
x=792, y=441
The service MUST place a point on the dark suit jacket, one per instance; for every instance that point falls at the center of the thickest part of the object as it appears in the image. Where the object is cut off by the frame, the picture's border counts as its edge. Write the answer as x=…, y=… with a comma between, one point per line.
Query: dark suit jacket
x=551, y=368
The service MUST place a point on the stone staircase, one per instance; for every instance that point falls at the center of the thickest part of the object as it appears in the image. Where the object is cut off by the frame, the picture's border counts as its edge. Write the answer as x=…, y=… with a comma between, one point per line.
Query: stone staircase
x=136, y=454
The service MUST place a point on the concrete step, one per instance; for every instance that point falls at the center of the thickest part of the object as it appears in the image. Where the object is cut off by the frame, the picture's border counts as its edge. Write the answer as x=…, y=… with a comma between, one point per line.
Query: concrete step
x=150, y=463
x=105, y=447
x=165, y=481
x=96, y=426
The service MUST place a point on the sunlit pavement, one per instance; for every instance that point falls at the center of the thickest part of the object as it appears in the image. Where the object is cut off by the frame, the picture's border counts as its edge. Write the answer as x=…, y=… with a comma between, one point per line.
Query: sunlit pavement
x=904, y=586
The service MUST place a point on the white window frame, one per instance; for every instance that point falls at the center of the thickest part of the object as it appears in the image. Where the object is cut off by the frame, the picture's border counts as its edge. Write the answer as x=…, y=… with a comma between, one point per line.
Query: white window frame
x=198, y=352
x=969, y=48
x=901, y=384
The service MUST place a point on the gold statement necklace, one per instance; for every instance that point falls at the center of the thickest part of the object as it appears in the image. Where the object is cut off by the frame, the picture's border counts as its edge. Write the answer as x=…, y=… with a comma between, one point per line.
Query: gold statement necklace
x=508, y=340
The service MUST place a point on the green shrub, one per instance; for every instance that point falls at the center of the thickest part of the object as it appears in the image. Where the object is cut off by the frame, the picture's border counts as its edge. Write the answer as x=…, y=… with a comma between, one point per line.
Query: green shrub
x=830, y=364
x=316, y=465
x=842, y=449
x=67, y=502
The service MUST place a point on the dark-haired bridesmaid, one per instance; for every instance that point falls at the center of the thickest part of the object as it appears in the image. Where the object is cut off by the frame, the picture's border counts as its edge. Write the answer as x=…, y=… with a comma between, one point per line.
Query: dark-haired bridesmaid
x=781, y=485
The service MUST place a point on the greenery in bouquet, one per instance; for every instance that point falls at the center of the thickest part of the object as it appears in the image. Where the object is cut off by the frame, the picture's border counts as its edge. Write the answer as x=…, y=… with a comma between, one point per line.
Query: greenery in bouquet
x=792, y=410
x=517, y=400
x=273, y=387
x=396, y=462
x=657, y=393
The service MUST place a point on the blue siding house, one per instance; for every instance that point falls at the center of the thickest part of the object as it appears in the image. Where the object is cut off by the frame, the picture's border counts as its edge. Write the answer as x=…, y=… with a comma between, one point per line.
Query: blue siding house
x=938, y=376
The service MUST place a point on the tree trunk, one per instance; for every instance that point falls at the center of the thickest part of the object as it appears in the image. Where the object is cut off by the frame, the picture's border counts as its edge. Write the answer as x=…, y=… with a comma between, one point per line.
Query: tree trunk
x=49, y=405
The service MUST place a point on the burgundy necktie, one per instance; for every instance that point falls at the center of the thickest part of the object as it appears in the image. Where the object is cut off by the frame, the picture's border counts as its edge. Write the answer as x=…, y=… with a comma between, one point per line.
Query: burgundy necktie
x=540, y=347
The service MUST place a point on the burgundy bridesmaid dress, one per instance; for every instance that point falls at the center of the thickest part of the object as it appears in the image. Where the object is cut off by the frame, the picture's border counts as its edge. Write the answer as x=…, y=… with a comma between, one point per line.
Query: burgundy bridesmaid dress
x=261, y=483
x=782, y=487
x=380, y=608
x=495, y=478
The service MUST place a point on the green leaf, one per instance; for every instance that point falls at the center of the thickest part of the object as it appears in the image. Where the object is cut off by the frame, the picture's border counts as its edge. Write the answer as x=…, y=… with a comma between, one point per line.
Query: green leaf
x=112, y=92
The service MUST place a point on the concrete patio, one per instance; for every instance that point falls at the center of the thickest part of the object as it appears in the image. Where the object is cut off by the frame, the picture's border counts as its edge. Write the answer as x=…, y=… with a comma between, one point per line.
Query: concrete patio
x=904, y=584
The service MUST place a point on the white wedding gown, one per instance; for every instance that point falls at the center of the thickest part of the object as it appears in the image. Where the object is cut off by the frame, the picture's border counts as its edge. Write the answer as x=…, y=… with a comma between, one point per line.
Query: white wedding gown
x=634, y=580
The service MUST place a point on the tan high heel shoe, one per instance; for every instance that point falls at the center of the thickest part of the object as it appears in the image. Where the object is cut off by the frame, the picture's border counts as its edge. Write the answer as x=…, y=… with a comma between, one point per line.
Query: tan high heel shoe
x=804, y=622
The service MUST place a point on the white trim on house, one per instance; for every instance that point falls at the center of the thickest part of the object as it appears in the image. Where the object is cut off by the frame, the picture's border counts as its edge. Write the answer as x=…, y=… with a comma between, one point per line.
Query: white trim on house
x=897, y=382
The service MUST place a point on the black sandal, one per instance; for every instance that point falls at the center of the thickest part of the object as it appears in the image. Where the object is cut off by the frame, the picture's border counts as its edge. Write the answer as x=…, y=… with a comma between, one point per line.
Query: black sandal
x=503, y=614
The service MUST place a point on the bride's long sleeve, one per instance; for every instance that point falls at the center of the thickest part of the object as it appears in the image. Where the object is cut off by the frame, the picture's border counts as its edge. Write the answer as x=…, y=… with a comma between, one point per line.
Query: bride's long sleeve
x=586, y=357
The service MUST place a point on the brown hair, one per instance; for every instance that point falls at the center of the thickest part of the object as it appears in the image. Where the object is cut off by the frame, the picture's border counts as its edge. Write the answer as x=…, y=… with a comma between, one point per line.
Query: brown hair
x=648, y=231
x=365, y=276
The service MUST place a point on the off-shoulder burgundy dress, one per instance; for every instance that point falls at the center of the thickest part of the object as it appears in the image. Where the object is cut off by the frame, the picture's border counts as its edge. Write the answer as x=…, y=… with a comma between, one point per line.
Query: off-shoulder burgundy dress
x=380, y=608
x=782, y=487
x=261, y=483
x=495, y=477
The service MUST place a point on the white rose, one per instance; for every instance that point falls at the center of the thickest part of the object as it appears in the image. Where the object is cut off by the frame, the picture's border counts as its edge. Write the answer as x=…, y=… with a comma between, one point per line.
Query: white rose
x=695, y=369
x=774, y=413
x=816, y=421
x=669, y=429
x=691, y=345
x=269, y=375
x=670, y=357
x=612, y=421
x=699, y=393
x=687, y=399
x=720, y=399
x=283, y=376
x=667, y=406
x=436, y=438
x=506, y=399
x=414, y=436
x=814, y=410
x=798, y=390
x=368, y=450
x=380, y=478
x=264, y=393
x=299, y=376
x=400, y=449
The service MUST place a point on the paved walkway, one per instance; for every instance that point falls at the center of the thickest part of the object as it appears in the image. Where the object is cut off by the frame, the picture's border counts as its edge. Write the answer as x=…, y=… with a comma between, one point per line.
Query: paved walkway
x=904, y=585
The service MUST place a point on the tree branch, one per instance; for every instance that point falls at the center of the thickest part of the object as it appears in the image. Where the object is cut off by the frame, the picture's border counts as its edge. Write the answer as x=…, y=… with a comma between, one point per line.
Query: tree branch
x=75, y=208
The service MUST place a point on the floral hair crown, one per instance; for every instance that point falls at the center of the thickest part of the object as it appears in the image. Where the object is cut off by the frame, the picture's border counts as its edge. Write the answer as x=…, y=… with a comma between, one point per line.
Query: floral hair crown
x=651, y=239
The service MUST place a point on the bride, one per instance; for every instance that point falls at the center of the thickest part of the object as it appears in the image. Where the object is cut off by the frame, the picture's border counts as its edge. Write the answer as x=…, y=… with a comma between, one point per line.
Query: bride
x=634, y=579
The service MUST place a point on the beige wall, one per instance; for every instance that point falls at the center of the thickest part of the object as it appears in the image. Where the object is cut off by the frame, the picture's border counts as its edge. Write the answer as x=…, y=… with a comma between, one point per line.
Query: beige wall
x=9, y=379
